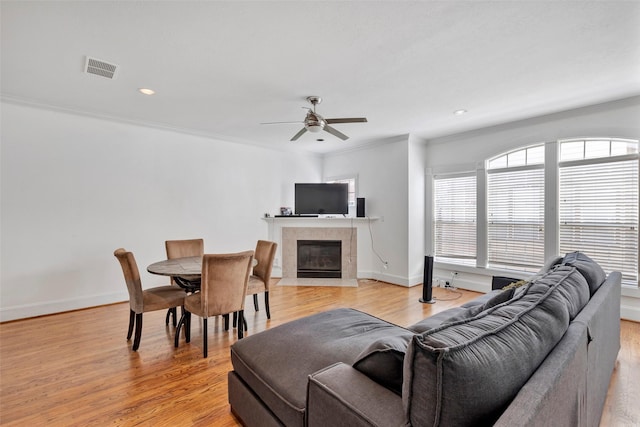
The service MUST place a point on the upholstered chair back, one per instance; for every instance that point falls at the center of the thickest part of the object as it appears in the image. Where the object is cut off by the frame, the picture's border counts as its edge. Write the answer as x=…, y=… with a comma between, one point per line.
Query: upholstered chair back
x=265, y=253
x=132, y=278
x=184, y=248
x=224, y=282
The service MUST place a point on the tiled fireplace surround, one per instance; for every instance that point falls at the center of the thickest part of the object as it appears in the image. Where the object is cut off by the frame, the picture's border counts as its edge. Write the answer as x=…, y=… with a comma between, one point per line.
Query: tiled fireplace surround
x=347, y=235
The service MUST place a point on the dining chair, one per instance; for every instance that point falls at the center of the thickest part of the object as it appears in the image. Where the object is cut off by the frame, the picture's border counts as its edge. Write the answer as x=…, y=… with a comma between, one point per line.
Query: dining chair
x=142, y=301
x=222, y=291
x=260, y=280
x=181, y=249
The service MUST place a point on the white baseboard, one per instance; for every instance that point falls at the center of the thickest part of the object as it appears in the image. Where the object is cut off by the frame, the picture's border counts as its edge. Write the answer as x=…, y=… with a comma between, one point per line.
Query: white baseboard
x=628, y=312
x=51, y=307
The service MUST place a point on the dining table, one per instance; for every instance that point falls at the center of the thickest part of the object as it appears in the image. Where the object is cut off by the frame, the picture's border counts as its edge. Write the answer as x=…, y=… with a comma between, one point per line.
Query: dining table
x=186, y=272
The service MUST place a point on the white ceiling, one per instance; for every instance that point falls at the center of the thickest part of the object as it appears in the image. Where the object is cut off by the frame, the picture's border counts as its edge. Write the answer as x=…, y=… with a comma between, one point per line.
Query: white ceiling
x=220, y=68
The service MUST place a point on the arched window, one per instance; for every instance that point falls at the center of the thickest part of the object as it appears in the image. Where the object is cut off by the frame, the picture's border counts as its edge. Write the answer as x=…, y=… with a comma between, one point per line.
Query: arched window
x=515, y=209
x=541, y=201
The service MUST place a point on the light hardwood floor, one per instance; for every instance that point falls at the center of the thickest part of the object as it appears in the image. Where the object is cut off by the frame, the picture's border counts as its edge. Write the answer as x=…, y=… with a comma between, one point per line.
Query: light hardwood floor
x=78, y=369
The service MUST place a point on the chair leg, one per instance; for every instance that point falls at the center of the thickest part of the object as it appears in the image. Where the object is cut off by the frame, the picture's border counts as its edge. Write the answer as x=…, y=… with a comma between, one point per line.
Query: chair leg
x=204, y=337
x=187, y=330
x=255, y=302
x=180, y=324
x=136, y=340
x=174, y=310
x=244, y=322
x=241, y=329
x=132, y=321
x=235, y=319
x=266, y=304
x=226, y=321
x=166, y=319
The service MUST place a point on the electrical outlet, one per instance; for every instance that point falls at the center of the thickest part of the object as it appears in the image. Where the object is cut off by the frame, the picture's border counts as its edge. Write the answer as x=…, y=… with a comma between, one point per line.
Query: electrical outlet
x=385, y=265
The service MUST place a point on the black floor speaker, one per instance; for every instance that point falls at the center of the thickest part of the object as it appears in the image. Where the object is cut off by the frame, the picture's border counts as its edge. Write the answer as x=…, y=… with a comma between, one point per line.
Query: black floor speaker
x=427, y=281
x=360, y=207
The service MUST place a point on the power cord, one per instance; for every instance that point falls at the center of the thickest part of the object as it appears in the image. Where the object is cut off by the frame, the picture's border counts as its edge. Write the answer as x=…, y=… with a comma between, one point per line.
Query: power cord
x=385, y=264
x=454, y=291
x=451, y=289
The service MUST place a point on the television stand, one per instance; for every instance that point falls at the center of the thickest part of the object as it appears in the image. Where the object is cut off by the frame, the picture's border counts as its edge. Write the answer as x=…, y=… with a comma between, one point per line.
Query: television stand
x=295, y=216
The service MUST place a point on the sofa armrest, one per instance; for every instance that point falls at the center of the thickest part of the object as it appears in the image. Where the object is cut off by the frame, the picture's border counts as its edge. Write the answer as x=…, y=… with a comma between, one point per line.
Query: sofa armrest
x=342, y=395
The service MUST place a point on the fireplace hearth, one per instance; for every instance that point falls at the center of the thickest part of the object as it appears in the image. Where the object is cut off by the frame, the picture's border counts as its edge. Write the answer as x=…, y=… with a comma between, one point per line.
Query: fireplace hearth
x=319, y=259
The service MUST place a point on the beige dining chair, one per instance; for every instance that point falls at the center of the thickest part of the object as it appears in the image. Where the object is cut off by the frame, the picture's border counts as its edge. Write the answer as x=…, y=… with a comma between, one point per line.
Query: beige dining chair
x=142, y=301
x=222, y=291
x=260, y=280
x=182, y=249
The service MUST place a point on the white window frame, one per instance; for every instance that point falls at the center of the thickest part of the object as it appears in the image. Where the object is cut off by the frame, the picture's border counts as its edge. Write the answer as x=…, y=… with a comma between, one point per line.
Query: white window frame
x=346, y=179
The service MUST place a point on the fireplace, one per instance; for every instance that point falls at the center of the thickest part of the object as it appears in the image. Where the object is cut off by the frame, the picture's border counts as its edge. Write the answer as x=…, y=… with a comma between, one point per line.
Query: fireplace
x=346, y=235
x=319, y=258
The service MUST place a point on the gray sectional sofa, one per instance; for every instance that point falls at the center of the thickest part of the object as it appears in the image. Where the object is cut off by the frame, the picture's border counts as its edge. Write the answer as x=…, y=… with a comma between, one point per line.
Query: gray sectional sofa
x=538, y=355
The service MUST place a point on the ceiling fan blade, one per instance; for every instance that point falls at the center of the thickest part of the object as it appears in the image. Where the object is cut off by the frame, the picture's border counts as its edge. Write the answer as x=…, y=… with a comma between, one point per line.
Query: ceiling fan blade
x=299, y=134
x=336, y=132
x=347, y=120
x=278, y=123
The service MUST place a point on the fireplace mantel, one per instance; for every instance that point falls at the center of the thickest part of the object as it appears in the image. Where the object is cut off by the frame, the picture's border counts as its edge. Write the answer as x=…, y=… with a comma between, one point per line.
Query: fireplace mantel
x=358, y=253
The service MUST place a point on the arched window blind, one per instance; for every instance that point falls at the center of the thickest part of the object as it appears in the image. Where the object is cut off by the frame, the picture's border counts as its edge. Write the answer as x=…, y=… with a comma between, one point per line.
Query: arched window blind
x=515, y=213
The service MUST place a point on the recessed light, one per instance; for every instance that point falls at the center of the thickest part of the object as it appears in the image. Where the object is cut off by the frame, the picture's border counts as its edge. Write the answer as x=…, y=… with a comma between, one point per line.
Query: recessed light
x=146, y=91
x=459, y=112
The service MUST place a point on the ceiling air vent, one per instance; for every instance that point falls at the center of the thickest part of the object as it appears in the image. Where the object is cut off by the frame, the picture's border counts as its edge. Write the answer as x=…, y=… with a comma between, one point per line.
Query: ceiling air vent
x=100, y=68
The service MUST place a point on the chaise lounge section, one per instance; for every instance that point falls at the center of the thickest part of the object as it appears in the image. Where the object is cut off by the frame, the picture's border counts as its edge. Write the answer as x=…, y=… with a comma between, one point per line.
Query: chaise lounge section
x=540, y=354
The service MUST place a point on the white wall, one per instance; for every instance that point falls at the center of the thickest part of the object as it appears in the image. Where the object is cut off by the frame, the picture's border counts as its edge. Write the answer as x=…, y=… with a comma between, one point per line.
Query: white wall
x=382, y=171
x=416, y=210
x=75, y=188
x=461, y=152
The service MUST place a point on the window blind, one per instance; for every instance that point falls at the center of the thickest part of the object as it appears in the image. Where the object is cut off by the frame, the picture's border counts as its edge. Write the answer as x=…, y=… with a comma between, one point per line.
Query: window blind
x=455, y=219
x=599, y=213
x=515, y=212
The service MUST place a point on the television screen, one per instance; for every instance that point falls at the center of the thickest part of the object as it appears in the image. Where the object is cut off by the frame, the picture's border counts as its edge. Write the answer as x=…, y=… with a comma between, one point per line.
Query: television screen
x=321, y=199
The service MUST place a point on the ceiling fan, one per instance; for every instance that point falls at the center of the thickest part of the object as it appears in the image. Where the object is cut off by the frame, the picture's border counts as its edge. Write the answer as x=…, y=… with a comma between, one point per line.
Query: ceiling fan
x=315, y=123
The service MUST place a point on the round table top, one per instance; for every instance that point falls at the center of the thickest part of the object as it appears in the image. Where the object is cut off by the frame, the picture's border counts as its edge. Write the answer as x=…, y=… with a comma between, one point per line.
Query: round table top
x=188, y=268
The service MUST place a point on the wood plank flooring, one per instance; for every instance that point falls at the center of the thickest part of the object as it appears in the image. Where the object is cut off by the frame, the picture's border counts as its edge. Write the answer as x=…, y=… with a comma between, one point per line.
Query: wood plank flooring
x=77, y=369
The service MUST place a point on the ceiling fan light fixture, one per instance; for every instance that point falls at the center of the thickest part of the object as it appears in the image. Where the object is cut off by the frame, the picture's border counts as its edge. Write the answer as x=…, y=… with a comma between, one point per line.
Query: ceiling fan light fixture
x=314, y=128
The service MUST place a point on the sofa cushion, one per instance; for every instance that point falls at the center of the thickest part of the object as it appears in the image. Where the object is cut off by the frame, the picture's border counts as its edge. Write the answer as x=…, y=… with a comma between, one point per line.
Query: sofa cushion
x=437, y=319
x=383, y=359
x=591, y=270
x=500, y=297
x=466, y=311
x=466, y=372
x=276, y=363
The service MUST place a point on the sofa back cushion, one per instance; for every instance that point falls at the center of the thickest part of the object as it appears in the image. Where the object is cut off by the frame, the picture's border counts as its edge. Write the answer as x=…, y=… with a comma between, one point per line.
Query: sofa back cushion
x=466, y=372
x=591, y=270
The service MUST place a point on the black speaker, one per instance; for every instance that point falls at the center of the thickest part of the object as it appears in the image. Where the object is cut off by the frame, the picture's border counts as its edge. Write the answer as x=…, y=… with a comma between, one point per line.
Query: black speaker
x=427, y=281
x=360, y=207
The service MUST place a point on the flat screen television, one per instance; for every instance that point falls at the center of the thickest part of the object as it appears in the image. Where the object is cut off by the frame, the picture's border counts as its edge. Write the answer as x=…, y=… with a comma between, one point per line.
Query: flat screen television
x=321, y=199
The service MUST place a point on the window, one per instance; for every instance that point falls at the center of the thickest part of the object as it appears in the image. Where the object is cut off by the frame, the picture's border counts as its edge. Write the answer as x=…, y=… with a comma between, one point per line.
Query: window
x=599, y=203
x=515, y=209
x=455, y=219
x=591, y=190
x=352, y=187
